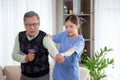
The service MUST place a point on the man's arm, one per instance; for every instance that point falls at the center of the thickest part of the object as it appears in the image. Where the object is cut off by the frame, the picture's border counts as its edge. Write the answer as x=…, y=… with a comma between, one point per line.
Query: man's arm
x=16, y=53
x=50, y=46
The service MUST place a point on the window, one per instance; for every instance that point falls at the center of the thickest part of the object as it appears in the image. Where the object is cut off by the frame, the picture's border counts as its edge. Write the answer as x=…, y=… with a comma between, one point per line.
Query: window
x=107, y=26
x=11, y=22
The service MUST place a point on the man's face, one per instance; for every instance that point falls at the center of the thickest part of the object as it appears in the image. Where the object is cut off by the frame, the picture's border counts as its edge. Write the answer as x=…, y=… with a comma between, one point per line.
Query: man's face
x=31, y=25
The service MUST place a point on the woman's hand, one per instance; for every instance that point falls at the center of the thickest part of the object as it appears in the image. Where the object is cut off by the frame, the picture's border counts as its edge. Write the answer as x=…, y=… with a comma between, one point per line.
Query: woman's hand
x=50, y=36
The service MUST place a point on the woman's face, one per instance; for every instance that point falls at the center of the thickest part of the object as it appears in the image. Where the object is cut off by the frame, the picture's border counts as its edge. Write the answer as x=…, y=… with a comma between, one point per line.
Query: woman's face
x=71, y=29
x=31, y=25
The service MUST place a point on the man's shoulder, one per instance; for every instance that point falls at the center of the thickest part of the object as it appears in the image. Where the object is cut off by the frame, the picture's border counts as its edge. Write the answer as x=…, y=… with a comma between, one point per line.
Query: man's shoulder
x=40, y=31
x=41, y=35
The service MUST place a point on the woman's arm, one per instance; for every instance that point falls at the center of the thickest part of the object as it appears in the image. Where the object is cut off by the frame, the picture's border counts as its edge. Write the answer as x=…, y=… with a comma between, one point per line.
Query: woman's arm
x=68, y=52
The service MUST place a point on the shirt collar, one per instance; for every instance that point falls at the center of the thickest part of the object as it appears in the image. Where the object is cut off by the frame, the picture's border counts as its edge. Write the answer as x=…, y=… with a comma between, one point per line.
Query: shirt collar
x=30, y=38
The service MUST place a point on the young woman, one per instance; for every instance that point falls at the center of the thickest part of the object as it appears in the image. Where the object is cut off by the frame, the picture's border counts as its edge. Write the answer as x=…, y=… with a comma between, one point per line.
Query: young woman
x=71, y=46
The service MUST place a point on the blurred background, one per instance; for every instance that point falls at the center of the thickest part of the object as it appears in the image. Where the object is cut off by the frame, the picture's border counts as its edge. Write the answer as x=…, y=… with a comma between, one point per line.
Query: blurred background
x=106, y=27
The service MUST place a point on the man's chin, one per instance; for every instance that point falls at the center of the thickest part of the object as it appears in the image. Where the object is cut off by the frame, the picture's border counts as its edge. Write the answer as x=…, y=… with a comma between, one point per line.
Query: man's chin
x=31, y=35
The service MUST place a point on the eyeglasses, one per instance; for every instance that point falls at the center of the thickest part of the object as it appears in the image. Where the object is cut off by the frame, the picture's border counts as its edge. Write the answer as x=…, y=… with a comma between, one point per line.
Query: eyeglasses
x=34, y=24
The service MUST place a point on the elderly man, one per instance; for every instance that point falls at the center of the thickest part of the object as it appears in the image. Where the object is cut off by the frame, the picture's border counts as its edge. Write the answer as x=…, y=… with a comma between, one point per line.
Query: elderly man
x=31, y=49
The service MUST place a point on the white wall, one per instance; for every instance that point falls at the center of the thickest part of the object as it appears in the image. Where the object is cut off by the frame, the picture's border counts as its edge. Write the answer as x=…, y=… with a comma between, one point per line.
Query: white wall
x=11, y=22
x=107, y=30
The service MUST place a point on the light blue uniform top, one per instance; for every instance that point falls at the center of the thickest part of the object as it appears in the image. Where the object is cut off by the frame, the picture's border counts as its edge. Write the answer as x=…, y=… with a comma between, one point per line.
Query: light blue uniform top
x=69, y=70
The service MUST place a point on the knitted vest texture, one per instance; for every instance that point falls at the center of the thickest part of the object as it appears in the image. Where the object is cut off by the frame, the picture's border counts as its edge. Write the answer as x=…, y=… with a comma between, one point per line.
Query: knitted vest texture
x=40, y=65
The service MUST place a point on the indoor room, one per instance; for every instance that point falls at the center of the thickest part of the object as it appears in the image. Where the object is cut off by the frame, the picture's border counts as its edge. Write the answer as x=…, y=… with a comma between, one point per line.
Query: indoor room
x=99, y=22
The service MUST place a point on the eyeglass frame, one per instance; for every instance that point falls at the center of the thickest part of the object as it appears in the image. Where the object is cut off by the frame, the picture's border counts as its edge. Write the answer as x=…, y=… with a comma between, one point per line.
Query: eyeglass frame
x=33, y=24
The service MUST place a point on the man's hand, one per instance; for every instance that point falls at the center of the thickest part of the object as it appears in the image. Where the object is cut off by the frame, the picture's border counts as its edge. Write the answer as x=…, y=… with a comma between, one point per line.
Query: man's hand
x=59, y=58
x=30, y=57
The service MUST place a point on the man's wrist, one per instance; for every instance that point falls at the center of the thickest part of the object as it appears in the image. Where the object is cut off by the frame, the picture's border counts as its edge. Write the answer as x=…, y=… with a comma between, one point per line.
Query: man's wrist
x=26, y=58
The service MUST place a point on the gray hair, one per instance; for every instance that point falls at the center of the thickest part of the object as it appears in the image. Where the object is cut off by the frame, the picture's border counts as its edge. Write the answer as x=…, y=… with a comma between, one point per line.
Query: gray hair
x=31, y=14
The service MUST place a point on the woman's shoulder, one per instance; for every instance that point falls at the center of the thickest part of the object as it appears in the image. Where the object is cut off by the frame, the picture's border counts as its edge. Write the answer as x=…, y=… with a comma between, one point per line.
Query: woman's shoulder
x=80, y=37
x=62, y=34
